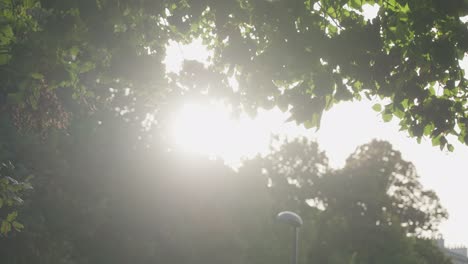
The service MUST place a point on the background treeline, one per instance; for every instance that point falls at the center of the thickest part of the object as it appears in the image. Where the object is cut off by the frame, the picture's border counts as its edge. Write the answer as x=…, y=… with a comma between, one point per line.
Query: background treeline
x=104, y=193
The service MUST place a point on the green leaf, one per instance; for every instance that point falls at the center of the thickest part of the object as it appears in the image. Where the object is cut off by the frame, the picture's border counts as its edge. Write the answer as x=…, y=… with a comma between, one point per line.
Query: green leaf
x=387, y=117
x=86, y=67
x=308, y=124
x=18, y=226
x=404, y=103
x=5, y=228
x=443, y=142
x=356, y=4
x=398, y=113
x=6, y=35
x=428, y=129
x=12, y=216
x=37, y=76
x=377, y=107
x=357, y=85
x=450, y=147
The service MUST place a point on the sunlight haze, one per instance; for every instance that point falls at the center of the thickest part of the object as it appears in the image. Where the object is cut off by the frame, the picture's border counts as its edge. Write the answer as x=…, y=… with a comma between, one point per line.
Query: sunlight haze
x=249, y=131
x=209, y=130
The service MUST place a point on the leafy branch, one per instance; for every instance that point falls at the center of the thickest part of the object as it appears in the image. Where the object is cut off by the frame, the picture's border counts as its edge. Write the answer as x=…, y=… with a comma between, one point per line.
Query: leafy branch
x=11, y=191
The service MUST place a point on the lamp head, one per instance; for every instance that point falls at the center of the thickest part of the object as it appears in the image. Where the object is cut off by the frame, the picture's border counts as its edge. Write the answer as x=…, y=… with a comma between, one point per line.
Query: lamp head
x=290, y=218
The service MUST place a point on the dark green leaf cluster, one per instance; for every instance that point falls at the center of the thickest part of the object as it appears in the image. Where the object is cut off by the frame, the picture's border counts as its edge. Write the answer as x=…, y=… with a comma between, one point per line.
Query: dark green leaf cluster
x=11, y=193
x=53, y=51
x=302, y=56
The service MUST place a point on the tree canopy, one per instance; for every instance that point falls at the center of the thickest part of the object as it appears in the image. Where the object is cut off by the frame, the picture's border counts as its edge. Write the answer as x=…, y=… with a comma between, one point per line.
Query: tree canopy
x=302, y=56
x=373, y=210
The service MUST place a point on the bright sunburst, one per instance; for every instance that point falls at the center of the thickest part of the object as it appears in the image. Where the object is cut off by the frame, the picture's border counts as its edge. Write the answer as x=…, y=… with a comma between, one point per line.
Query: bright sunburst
x=203, y=128
x=209, y=129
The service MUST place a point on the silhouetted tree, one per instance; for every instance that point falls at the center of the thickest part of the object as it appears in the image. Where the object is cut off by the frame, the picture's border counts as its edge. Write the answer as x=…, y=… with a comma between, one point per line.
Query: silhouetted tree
x=373, y=210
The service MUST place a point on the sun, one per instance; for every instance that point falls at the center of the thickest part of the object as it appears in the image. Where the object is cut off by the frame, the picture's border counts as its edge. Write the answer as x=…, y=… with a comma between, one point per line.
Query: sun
x=203, y=128
x=209, y=129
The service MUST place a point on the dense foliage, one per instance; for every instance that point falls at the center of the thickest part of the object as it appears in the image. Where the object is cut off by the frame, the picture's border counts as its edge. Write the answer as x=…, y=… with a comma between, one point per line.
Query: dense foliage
x=302, y=55
x=10, y=197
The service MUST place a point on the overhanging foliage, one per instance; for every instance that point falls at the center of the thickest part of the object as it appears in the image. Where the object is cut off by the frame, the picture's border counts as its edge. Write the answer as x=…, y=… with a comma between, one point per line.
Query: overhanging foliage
x=302, y=56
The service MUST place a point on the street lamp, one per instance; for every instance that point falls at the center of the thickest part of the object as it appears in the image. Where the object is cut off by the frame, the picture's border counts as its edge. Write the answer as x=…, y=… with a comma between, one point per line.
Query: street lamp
x=296, y=222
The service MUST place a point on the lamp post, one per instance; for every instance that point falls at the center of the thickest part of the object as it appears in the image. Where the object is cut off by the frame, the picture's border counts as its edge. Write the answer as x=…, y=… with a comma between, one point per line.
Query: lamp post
x=296, y=222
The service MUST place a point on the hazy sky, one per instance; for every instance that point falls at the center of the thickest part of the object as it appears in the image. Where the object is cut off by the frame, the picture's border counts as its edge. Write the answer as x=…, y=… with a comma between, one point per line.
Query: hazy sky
x=348, y=125
x=344, y=128
x=351, y=124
